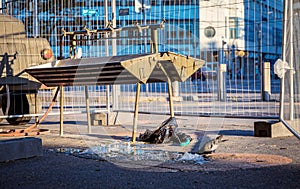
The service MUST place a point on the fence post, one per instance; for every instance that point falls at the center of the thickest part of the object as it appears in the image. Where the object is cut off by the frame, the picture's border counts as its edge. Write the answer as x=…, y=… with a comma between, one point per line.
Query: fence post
x=267, y=82
x=222, y=82
x=61, y=102
x=88, y=112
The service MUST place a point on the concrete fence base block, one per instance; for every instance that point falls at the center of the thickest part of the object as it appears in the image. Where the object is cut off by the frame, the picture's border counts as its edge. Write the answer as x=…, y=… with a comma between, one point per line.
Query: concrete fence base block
x=20, y=148
x=270, y=129
x=191, y=98
x=98, y=119
x=176, y=98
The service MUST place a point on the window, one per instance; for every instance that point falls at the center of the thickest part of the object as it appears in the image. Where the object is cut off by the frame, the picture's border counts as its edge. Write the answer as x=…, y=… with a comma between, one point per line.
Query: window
x=209, y=32
x=235, y=31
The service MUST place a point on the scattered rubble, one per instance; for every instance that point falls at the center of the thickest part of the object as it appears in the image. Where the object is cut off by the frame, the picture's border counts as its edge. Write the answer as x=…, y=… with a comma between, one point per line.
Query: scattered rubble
x=127, y=152
x=167, y=132
x=192, y=158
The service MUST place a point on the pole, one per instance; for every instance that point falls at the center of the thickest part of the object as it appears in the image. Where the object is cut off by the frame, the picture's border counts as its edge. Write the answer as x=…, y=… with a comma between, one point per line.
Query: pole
x=281, y=115
x=261, y=70
x=35, y=19
x=107, y=54
x=145, y=23
x=232, y=63
x=221, y=77
x=291, y=62
x=154, y=41
x=88, y=113
x=267, y=81
x=116, y=88
x=36, y=110
x=61, y=128
x=136, y=112
x=222, y=82
x=114, y=25
x=171, y=106
x=106, y=23
x=108, y=104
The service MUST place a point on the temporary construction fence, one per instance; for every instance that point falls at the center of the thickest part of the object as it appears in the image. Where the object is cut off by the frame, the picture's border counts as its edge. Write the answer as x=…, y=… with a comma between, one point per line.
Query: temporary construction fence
x=245, y=87
x=288, y=69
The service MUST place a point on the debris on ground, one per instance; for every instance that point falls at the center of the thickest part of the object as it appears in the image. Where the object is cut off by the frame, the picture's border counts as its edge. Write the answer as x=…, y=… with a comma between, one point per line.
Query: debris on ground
x=126, y=152
x=207, y=146
x=167, y=132
x=191, y=158
x=119, y=151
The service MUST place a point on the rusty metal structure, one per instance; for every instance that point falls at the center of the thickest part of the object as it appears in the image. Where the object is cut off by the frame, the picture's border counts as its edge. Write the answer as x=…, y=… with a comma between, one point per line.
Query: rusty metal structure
x=239, y=96
x=112, y=70
x=23, y=55
x=17, y=52
x=184, y=33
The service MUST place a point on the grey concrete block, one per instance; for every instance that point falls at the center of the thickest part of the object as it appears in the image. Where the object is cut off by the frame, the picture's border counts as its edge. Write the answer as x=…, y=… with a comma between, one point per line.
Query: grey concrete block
x=191, y=98
x=270, y=129
x=97, y=123
x=98, y=119
x=176, y=98
x=20, y=148
x=98, y=116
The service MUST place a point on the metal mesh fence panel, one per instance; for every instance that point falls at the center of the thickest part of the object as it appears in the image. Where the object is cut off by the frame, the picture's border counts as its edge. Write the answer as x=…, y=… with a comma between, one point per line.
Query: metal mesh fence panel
x=289, y=68
x=245, y=36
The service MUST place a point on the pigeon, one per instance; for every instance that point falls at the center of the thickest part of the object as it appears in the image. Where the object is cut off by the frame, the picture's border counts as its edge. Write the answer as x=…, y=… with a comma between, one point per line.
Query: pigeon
x=210, y=146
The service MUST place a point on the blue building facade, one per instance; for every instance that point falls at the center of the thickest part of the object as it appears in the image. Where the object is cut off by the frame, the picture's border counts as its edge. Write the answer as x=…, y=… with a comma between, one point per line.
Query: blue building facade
x=238, y=33
x=264, y=29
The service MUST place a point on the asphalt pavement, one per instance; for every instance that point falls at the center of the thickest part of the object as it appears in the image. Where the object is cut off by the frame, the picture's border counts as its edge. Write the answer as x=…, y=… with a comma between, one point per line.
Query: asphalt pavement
x=240, y=161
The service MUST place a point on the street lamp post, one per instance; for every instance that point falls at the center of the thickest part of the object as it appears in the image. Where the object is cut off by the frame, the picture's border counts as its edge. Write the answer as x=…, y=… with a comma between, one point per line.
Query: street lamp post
x=223, y=53
x=261, y=63
x=222, y=75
